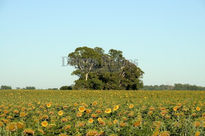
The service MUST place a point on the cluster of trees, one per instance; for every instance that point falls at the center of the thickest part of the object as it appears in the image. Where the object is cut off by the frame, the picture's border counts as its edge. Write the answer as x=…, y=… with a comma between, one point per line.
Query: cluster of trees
x=66, y=88
x=52, y=88
x=174, y=87
x=98, y=70
x=27, y=88
x=30, y=88
x=6, y=87
x=187, y=87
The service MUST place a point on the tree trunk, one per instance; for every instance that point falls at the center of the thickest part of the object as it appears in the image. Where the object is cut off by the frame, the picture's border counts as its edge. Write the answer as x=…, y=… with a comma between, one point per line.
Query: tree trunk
x=86, y=76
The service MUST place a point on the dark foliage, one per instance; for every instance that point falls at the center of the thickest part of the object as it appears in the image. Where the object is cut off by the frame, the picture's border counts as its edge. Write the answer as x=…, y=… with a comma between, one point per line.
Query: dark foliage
x=30, y=88
x=66, y=88
x=5, y=87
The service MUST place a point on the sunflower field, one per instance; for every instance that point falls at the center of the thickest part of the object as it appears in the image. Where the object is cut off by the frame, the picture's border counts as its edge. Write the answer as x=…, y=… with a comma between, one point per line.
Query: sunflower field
x=102, y=113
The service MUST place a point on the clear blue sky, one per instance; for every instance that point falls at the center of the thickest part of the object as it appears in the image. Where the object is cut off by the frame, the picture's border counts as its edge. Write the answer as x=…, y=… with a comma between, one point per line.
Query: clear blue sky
x=166, y=36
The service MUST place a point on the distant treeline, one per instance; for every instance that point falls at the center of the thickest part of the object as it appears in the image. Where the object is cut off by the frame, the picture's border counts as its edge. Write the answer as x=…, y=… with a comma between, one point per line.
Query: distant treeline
x=6, y=87
x=173, y=87
x=146, y=87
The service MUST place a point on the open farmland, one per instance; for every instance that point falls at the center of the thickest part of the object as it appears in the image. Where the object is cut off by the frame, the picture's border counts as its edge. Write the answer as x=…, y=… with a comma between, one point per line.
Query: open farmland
x=157, y=113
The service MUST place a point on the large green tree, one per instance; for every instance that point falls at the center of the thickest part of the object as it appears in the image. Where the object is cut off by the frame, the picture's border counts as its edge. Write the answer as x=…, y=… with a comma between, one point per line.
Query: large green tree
x=100, y=71
x=85, y=60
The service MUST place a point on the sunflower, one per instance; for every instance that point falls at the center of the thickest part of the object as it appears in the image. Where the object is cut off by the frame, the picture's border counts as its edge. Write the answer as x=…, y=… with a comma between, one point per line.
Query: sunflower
x=151, y=108
x=203, y=115
x=80, y=124
x=98, y=111
x=9, y=117
x=94, y=103
x=23, y=114
x=5, y=111
x=48, y=105
x=101, y=122
x=197, y=124
x=150, y=113
x=197, y=133
x=81, y=108
x=28, y=131
x=137, y=123
x=122, y=124
x=67, y=127
x=44, y=116
x=88, y=111
x=64, y=120
x=1, y=124
x=108, y=110
x=131, y=106
x=94, y=115
x=90, y=120
x=75, y=104
x=116, y=107
x=156, y=133
x=20, y=125
x=164, y=133
x=44, y=123
x=198, y=108
x=175, y=108
x=60, y=113
x=16, y=111
x=6, y=121
x=92, y=133
x=115, y=121
x=11, y=127
x=100, y=119
x=79, y=114
x=193, y=114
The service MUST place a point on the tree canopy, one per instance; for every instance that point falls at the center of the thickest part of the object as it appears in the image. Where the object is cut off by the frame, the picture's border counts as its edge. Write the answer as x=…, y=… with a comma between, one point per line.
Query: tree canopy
x=104, y=71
